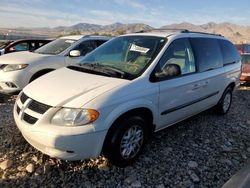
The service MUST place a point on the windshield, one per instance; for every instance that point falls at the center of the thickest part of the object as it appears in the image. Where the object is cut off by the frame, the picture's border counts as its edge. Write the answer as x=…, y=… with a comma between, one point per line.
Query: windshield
x=128, y=54
x=245, y=59
x=55, y=47
x=3, y=44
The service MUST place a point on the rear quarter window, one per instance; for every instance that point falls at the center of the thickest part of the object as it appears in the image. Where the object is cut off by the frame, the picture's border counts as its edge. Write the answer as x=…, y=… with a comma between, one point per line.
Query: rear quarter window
x=229, y=52
x=207, y=53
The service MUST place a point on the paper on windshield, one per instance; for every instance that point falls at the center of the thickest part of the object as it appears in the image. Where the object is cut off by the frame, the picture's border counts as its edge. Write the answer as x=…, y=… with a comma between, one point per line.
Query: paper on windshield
x=69, y=41
x=139, y=49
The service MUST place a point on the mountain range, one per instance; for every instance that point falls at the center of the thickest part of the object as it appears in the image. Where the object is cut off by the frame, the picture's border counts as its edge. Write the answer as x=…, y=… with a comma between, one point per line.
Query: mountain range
x=236, y=33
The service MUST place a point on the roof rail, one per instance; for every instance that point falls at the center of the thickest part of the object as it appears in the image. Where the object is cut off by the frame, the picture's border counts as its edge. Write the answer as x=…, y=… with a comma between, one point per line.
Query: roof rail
x=168, y=29
x=180, y=30
x=187, y=31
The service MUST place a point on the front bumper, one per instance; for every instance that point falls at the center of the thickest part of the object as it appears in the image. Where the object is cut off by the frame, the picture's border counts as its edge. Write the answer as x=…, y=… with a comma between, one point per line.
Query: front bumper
x=62, y=143
x=13, y=81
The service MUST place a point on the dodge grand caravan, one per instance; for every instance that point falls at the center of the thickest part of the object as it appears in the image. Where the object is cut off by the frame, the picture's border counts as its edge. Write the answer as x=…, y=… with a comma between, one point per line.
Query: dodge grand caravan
x=124, y=91
x=20, y=68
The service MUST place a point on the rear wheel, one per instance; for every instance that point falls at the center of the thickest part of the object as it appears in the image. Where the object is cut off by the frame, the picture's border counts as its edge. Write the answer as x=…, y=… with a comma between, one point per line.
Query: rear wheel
x=225, y=103
x=125, y=143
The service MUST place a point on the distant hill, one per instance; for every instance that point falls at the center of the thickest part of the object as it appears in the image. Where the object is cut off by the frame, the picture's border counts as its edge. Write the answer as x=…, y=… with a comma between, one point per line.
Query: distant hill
x=236, y=33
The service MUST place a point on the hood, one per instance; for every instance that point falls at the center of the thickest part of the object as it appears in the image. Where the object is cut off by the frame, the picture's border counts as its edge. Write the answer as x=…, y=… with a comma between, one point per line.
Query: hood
x=70, y=88
x=21, y=58
x=246, y=68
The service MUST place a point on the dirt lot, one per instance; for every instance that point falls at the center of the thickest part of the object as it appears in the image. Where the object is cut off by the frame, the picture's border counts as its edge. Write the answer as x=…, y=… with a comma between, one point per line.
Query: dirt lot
x=204, y=151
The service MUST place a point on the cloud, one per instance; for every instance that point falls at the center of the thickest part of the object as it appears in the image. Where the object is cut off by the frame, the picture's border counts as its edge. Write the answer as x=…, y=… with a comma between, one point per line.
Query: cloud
x=131, y=3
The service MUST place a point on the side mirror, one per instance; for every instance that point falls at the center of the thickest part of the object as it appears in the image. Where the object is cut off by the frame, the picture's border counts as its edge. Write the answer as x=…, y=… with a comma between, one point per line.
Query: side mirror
x=74, y=53
x=170, y=70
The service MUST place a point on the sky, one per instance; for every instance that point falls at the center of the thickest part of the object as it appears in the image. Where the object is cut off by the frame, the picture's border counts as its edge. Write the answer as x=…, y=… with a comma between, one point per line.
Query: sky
x=156, y=13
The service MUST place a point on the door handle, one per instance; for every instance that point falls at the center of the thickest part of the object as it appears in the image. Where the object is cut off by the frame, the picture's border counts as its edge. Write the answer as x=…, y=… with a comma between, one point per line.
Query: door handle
x=196, y=86
x=205, y=83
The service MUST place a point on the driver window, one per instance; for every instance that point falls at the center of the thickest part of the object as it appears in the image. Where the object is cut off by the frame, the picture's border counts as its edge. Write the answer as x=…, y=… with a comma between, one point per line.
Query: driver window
x=86, y=47
x=21, y=47
x=181, y=54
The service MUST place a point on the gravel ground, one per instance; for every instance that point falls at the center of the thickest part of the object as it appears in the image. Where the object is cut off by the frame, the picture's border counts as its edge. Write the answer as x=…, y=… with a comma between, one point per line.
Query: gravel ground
x=203, y=151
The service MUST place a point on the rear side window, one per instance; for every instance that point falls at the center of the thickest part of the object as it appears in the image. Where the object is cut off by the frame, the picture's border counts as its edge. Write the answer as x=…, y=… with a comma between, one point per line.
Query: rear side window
x=229, y=52
x=100, y=42
x=208, y=53
x=245, y=59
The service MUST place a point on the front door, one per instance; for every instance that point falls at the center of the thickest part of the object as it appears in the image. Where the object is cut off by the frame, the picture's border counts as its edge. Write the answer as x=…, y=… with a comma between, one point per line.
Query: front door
x=198, y=86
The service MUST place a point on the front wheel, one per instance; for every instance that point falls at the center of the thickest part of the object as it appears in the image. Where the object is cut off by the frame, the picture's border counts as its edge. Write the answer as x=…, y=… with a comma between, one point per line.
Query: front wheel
x=226, y=100
x=127, y=141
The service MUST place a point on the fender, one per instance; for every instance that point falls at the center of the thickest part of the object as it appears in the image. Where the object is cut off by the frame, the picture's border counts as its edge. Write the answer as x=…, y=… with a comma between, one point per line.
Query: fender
x=131, y=105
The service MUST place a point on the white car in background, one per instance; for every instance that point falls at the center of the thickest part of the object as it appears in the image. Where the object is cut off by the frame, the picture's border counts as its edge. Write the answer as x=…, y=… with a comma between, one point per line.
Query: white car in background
x=19, y=69
x=124, y=91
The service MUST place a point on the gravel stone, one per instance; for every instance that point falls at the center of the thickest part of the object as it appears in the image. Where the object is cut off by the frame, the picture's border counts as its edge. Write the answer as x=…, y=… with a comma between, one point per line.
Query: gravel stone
x=30, y=168
x=103, y=167
x=35, y=159
x=192, y=164
x=194, y=177
x=248, y=149
x=6, y=164
x=226, y=148
x=248, y=122
x=160, y=186
x=219, y=145
x=136, y=184
x=130, y=179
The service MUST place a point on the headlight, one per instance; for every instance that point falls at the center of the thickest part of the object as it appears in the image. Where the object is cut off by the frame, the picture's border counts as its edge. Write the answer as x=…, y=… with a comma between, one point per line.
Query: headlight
x=13, y=67
x=74, y=117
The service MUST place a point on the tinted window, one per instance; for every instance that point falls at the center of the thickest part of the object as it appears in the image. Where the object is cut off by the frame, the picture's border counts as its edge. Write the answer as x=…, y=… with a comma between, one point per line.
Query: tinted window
x=86, y=47
x=180, y=53
x=245, y=59
x=229, y=52
x=32, y=46
x=207, y=53
x=21, y=46
x=40, y=44
x=100, y=42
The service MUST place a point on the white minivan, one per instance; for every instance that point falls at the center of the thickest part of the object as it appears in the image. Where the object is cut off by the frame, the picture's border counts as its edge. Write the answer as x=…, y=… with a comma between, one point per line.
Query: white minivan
x=20, y=68
x=124, y=91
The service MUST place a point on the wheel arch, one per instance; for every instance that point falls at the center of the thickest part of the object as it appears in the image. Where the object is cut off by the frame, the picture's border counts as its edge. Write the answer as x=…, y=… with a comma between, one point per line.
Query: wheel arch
x=232, y=85
x=145, y=112
x=40, y=73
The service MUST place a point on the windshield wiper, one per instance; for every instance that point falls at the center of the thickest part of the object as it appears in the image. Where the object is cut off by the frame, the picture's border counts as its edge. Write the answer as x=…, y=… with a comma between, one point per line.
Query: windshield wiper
x=106, y=69
x=92, y=70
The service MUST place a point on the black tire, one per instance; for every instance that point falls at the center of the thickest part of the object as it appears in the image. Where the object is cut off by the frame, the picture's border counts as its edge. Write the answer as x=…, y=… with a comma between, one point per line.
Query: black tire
x=115, y=151
x=225, y=102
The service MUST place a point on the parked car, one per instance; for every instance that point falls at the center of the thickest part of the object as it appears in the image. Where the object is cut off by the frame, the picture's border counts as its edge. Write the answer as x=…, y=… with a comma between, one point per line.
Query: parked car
x=245, y=75
x=124, y=91
x=23, y=45
x=21, y=68
x=243, y=48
